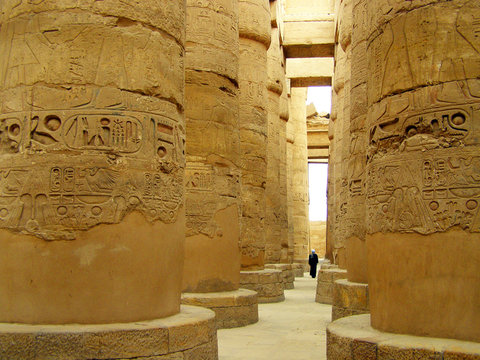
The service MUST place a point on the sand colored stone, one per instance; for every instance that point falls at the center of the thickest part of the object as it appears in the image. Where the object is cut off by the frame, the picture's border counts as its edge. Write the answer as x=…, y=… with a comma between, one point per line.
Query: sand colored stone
x=267, y=283
x=276, y=226
x=288, y=276
x=349, y=299
x=254, y=32
x=299, y=175
x=212, y=256
x=353, y=338
x=232, y=308
x=318, y=231
x=422, y=172
x=92, y=145
x=318, y=139
x=326, y=277
x=190, y=334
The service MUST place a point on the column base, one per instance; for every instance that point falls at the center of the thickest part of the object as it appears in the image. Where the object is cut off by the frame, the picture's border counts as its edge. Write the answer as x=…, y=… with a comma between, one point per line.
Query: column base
x=267, y=283
x=287, y=274
x=298, y=269
x=352, y=338
x=190, y=334
x=349, y=298
x=325, y=280
x=232, y=308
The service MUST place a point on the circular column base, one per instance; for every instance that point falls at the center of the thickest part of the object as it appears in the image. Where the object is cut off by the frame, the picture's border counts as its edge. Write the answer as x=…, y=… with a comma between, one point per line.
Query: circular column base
x=325, y=280
x=267, y=283
x=298, y=270
x=352, y=338
x=190, y=334
x=349, y=298
x=287, y=274
x=232, y=308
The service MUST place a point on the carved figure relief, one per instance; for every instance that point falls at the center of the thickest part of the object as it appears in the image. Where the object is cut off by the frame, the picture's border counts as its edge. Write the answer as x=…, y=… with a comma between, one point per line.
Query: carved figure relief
x=427, y=194
x=107, y=164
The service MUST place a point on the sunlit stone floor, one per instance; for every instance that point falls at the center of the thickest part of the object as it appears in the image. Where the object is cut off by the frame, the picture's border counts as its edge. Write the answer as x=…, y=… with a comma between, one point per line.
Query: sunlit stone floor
x=293, y=329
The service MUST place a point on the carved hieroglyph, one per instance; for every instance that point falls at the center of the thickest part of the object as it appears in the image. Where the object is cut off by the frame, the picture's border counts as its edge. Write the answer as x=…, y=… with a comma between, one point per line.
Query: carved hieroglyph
x=299, y=174
x=212, y=256
x=423, y=173
x=423, y=169
x=92, y=144
x=276, y=208
x=339, y=155
x=254, y=30
x=65, y=147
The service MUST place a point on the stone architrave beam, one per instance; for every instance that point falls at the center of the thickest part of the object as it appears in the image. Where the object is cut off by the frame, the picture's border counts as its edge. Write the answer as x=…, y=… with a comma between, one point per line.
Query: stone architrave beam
x=310, y=72
x=307, y=35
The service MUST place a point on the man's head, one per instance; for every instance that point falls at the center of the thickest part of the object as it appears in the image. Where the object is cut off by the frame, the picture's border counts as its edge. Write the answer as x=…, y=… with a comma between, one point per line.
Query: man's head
x=313, y=251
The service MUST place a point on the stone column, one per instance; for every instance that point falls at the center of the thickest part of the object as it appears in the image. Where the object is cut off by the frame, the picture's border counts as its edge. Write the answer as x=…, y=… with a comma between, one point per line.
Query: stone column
x=300, y=175
x=298, y=269
x=339, y=132
x=212, y=253
x=276, y=226
x=350, y=296
x=275, y=88
x=254, y=32
x=92, y=204
x=423, y=182
x=423, y=168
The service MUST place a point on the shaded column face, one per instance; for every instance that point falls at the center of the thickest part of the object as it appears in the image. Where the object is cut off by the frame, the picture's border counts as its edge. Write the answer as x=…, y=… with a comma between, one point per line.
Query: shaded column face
x=92, y=161
x=423, y=168
x=355, y=229
x=276, y=216
x=212, y=256
x=340, y=140
x=285, y=243
x=254, y=32
x=300, y=175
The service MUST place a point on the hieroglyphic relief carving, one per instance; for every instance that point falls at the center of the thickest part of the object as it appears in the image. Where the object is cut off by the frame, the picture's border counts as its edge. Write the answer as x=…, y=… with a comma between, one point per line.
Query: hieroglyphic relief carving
x=209, y=189
x=404, y=46
x=425, y=194
x=88, y=184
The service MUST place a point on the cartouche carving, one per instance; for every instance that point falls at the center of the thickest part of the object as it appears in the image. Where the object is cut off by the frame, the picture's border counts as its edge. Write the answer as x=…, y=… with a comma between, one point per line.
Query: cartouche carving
x=88, y=184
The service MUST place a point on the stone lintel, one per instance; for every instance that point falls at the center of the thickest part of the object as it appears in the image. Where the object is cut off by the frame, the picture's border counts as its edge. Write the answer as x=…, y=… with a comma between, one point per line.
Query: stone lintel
x=317, y=154
x=352, y=338
x=308, y=31
x=232, y=308
x=267, y=283
x=309, y=50
x=310, y=70
x=311, y=81
x=190, y=334
x=349, y=298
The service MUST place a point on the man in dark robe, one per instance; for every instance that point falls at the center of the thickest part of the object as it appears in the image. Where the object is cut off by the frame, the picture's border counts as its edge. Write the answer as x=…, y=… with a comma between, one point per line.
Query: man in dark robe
x=313, y=261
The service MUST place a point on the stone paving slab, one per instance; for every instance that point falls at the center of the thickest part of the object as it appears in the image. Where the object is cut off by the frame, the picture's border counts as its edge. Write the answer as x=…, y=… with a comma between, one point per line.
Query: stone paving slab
x=292, y=329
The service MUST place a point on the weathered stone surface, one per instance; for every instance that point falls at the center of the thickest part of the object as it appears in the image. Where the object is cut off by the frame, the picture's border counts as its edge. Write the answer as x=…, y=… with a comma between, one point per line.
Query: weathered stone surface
x=325, y=280
x=185, y=334
x=254, y=31
x=299, y=174
x=288, y=276
x=318, y=234
x=349, y=298
x=267, y=283
x=276, y=226
x=353, y=338
x=212, y=256
x=422, y=171
x=232, y=308
x=92, y=152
